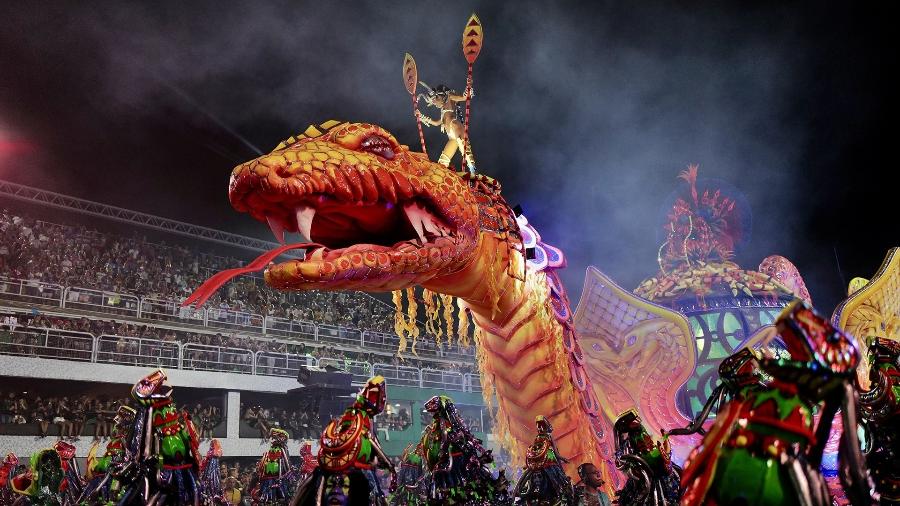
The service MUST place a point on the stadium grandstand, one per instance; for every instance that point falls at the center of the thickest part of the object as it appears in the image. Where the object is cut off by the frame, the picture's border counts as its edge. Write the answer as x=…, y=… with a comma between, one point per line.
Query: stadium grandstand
x=89, y=304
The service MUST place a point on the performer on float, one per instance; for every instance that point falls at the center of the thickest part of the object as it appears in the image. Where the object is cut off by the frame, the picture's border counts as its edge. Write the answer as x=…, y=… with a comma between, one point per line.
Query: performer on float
x=764, y=449
x=739, y=376
x=165, y=466
x=101, y=484
x=589, y=489
x=210, y=478
x=274, y=475
x=880, y=414
x=449, y=102
x=455, y=460
x=411, y=486
x=349, y=454
x=544, y=482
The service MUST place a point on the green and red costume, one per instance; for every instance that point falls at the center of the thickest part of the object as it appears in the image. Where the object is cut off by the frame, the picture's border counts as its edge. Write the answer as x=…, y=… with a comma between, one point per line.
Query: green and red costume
x=652, y=478
x=763, y=448
x=349, y=454
x=880, y=413
x=274, y=475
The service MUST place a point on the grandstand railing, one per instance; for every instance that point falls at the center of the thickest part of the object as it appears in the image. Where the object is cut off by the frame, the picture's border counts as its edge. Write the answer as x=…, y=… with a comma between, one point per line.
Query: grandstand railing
x=168, y=310
x=433, y=378
x=290, y=328
x=136, y=351
x=48, y=343
x=202, y=357
x=76, y=297
x=103, y=301
x=31, y=291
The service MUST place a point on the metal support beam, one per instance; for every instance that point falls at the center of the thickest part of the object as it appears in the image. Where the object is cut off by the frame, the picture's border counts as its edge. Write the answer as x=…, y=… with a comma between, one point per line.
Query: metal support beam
x=60, y=201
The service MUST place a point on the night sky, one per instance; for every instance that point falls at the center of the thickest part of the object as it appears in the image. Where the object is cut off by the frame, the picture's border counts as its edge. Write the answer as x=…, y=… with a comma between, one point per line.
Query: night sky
x=586, y=113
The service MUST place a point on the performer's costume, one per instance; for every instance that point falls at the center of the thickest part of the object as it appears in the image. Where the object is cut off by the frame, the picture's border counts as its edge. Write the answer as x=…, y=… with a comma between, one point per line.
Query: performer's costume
x=411, y=485
x=102, y=486
x=7, y=471
x=73, y=484
x=308, y=462
x=652, y=477
x=210, y=478
x=456, y=462
x=451, y=121
x=544, y=482
x=42, y=482
x=165, y=465
x=349, y=454
x=739, y=375
x=764, y=449
x=274, y=475
x=880, y=414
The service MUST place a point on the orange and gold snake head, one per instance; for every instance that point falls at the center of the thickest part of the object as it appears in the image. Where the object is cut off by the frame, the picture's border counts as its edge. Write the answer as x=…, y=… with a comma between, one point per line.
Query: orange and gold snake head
x=379, y=216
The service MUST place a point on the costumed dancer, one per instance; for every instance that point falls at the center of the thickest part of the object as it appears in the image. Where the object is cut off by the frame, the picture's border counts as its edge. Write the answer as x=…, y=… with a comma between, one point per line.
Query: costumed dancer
x=7, y=471
x=349, y=454
x=210, y=478
x=73, y=485
x=165, y=445
x=308, y=462
x=880, y=413
x=42, y=481
x=589, y=489
x=652, y=477
x=764, y=449
x=274, y=475
x=101, y=485
x=411, y=486
x=456, y=463
x=543, y=482
x=450, y=103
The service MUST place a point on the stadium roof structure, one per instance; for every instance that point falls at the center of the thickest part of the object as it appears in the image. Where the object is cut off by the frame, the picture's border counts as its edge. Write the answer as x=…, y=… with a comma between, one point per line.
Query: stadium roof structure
x=60, y=201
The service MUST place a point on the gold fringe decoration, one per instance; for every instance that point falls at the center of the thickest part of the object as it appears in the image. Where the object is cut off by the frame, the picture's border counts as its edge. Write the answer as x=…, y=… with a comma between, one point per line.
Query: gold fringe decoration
x=447, y=301
x=462, y=332
x=432, y=315
x=405, y=324
x=411, y=311
x=399, y=321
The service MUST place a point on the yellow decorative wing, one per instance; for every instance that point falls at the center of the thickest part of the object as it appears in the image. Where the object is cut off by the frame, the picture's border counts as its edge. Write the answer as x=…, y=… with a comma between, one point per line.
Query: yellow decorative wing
x=638, y=354
x=873, y=309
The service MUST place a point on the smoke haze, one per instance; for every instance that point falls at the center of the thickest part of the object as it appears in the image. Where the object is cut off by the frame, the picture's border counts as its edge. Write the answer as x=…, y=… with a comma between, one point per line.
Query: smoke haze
x=586, y=113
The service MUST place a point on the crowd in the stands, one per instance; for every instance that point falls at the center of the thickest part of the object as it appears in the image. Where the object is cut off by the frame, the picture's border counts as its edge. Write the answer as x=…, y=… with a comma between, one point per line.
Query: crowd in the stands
x=74, y=256
x=71, y=417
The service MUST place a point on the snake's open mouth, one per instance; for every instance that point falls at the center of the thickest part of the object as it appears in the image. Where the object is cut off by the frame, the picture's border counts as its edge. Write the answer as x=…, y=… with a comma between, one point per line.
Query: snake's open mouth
x=371, y=209
x=342, y=227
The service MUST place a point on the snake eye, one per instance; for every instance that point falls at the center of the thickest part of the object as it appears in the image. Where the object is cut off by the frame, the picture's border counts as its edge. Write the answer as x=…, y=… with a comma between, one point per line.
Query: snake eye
x=378, y=145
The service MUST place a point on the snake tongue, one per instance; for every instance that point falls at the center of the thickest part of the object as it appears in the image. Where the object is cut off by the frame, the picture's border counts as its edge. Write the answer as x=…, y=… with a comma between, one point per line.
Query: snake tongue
x=211, y=285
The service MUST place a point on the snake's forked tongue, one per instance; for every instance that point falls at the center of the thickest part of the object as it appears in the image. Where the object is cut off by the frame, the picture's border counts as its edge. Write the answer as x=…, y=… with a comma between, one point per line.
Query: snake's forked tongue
x=211, y=285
